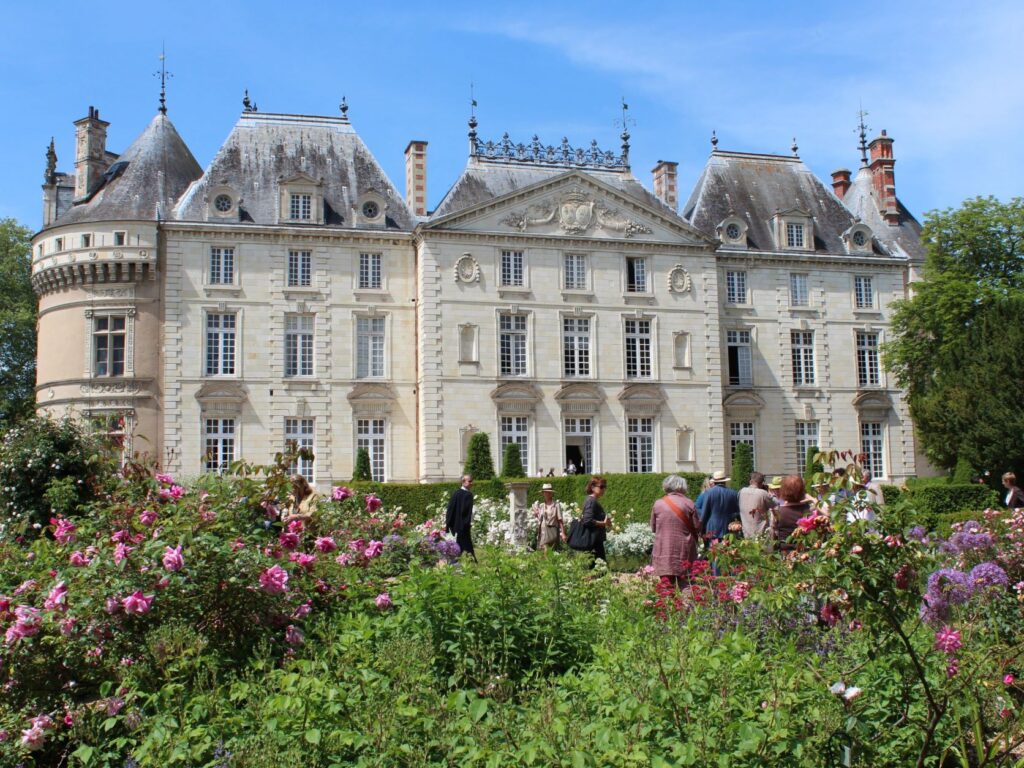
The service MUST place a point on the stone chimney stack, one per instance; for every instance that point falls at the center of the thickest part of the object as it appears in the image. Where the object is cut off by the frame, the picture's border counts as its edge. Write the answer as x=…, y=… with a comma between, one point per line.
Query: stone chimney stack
x=665, y=187
x=90, y=152
x=416, y=177
x=883, y=178
x=840, y=182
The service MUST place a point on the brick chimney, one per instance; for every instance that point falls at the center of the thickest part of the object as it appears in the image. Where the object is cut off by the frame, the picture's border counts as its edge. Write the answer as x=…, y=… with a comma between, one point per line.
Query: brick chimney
x=90, y=152
x=883, y=178
x=840, y=182
x=416, y=177
x=665, y=187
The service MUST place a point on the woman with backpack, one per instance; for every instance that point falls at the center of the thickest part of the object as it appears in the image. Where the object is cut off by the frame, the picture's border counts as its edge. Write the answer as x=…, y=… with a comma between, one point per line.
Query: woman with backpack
x=677, y=531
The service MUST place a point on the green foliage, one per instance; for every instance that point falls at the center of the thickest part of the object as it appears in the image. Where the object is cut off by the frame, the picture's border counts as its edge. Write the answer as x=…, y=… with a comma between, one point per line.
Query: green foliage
x=478, y=457
x=512, y=462
x=18, y=312
x=964, y=322
x=48, y=467
x=812, y=466
x=964, y=472
x=742, y=466
x=933, y=501
x=363, y=470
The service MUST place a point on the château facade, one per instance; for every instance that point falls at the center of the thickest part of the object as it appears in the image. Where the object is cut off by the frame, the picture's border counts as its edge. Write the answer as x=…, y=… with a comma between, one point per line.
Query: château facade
x=291, y=295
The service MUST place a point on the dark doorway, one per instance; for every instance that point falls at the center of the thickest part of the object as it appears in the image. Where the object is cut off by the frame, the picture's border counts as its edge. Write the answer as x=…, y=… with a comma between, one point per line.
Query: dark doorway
x=575, y=455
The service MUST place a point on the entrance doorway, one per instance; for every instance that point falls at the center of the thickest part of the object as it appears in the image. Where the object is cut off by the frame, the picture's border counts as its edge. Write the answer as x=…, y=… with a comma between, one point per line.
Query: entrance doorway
x=574, y=458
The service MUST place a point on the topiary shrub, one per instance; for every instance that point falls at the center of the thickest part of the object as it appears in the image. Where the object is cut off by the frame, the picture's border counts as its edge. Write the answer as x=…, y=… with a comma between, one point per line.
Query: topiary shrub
x=742, y=465
x=478, y=457
x=811, y=465
x=48, y=467
x=964, y=472
x=512, y=462
x=363, y=470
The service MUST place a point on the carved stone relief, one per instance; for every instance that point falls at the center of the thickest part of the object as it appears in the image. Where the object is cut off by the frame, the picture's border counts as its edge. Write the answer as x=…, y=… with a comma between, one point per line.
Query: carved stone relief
x=575, y=213
x=467, y=269
x=679, y=280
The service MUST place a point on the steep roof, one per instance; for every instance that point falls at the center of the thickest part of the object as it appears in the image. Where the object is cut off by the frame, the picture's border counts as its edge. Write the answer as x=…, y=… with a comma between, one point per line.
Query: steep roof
x=755, y=187
x=263, y=149
x=903, y=239
x=143, y=182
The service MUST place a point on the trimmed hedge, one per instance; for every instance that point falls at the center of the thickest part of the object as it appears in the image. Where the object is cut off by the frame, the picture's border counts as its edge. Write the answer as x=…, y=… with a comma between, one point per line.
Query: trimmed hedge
x=933, y=502
x=625, y=492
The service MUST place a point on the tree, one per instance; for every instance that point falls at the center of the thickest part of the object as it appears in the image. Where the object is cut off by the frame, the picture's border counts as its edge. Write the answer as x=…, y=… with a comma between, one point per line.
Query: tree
x=811, y=465
x=363, y=470
x=18, y=312
x=962, y=317
x=478, y=457
x=512, y=462
x=742, y=465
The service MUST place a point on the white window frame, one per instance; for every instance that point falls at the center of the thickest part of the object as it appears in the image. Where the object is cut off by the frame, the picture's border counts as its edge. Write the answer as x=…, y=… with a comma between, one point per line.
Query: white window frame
x=371, y=271
x=371, y=434
x=863, y=292
x=796, y=234
x=110, y=334
x=808, y=435
x=371, y=346
x=299, y=346
x=220, y=443
x=869, y=372
x=300, y=206
x=513, y=345
x=577, y=345
x=515, y=428
x=736, y=286
x=638, y=347
x=221, y=265
x=581, y=427
x=220, y=348
x=742, y=339
x=872, y=445
x=640, y=280
x=801, y=345
x=641, y=445
x=799, y=292
x=512, y=269
x=575, y=271
x=299, y=268
x=300, y=433
x=742, y=432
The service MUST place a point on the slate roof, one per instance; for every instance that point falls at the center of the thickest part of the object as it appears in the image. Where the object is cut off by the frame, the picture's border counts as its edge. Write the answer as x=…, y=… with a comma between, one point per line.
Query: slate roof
x=754, y=187
x=904, y=239
x=484, y=180
x=264, y=148
x=143, y=182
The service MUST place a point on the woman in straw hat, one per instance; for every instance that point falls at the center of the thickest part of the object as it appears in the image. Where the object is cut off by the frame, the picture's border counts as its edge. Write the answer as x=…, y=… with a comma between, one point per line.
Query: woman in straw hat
x=549, y=514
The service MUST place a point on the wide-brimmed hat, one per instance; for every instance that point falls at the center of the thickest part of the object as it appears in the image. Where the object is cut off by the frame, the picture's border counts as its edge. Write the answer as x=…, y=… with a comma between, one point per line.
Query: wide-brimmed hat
x=720, y=477
x=546, y=487
x=776, y=483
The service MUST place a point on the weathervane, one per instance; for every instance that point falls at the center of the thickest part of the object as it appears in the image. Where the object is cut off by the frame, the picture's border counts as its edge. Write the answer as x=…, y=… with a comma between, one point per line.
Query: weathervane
x=472, y=120
x=625, y=122
x=163, y=74
x=247, y=104
x=794, y=148
x=344, y=108
x=863, y=129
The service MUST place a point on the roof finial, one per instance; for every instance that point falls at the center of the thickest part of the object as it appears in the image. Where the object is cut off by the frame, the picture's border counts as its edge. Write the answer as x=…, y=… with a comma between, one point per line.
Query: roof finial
x=626, y=122
x=51, y=164
x=714, y=141
x=472, y=121
x=863, y=128
x=344, y=108
x=794, y=147
x=247, y=105
x=163, y=74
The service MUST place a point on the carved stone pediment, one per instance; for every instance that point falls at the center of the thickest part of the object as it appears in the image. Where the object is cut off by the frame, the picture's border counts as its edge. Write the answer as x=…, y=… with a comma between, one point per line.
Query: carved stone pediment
x=574, y=213
x=371, y=397
x=516, y=397
x=579, y=398
x=873, y=404
x=222, y=397
x=642, y=398
x=300, y=179
x=743, y=403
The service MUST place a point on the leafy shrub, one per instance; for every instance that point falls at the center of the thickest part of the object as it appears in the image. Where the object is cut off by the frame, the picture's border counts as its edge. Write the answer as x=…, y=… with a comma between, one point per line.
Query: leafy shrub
x=742, y=466
x=478, y=457
x=811, y=465
x=963, y=473
x=636, y=539
x=363, y=471
x=512, y=462
x=932, y=501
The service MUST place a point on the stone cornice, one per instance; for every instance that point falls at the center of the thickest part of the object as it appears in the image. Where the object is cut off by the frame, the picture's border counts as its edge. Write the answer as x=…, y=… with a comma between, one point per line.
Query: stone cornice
x=753, y=258
x=196, y=230
x=561, y=241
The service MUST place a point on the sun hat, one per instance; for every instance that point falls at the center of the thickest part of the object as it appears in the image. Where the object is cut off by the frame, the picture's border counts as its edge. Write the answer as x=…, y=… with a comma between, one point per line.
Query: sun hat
x=719, y=477
x=546, y=487
x=776, y=483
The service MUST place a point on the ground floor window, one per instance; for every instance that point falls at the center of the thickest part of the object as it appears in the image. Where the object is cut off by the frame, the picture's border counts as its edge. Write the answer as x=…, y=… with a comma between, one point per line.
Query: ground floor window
x=116, y=428
x=219, y=442
x=579, y=445
x=640, y=444
x=298, y=436
x=806, y=438
x=516, y=429
x=872, y=445
x=741, y=432
x=370, y=435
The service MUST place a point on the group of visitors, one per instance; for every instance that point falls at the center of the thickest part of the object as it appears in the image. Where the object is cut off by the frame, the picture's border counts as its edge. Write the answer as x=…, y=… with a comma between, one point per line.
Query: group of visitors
x=569, y=469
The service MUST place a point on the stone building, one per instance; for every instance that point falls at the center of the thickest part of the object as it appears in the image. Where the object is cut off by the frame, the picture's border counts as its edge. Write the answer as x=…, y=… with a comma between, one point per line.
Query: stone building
x=289, y=294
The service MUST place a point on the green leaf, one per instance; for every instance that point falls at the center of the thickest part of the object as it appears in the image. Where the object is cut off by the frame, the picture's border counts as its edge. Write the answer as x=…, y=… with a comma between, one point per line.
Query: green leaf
x=84, y=753
x=312, y=736
x=478, y=709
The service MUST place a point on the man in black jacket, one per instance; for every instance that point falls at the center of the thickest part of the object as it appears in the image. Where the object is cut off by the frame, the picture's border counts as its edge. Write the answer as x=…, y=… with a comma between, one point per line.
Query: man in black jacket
x=460, y=516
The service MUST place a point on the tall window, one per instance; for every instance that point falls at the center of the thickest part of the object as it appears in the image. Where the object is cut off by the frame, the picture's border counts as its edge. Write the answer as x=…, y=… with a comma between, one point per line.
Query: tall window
x=741, y=432
x=794, y=235
x=108, y=338
x=638, y=349
x=736, y=287
x=512, y=268
x=300, y=207
x=636, y=274
x=867, y=360
x=300, y=269
x=298, y=436
x=512, y=345
x=872, y=445
x=575, y=272
x=806, y=438
x=220, y=344
x=576, y=346
x=370, y=435
x=579, y=433
x=864, y=292
x=802, y=343
x=738, y=347
x=370, y=271
x=222, y=266
x=516, y=429
x=298, y=345
x=640, y=444
x=369, y=347
x=798, y=294
x=219, y=444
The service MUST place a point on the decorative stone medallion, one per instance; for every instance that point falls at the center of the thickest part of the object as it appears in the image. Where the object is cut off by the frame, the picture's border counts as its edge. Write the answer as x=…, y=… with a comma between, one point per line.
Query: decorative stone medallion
x=467, y=269
x=679, y=280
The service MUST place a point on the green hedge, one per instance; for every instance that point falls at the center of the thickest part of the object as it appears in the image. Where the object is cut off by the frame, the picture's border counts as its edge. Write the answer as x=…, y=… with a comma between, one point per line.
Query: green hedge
x=933, y=501
x=625, y=492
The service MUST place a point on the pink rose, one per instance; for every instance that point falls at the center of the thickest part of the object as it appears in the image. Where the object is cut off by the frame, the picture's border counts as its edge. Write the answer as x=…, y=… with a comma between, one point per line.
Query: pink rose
x=739, y=591
x=63, y=531
x=1008, y=680
x=303, y=610
x=293, y=635
x=164, y=479
x=25, y=586
x=948, y=641
x=373, y=503
x=237, y=544
x=325, y=544
x=121, y=552
x=806, y=524
x=147, y=517
x=112, y=606
x=57, y=600
x=295, y=526
x=358, y=545
x=79, y=560
x=383, y=601
x=288, y=540
x=172, y=560
x=303, y=560
x=177, y=492
x=274, y=580
x=373, y=549
x=340, y=493
x=137, y=603
x=343, y=559
x=120, y=535
x=33, y=738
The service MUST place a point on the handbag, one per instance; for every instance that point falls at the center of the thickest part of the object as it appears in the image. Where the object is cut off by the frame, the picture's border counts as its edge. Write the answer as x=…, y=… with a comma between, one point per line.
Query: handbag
x=580, y=537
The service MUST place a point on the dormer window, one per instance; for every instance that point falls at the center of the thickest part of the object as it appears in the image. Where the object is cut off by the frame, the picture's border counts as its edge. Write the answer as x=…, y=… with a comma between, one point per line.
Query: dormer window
x=223, y=203
x=301, y=200
x=371, y=207
x=733, y=232
x=794, y=235
x=301, y=208
x=858, y=239
x=793, y=230
x=371, y=210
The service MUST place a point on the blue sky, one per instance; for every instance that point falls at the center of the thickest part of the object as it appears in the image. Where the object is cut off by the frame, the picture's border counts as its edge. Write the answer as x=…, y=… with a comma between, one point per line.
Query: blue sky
x=942, y=77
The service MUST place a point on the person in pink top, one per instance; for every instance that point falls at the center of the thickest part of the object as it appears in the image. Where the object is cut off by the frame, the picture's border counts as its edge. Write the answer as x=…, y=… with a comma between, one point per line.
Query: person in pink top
x=677, y=530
